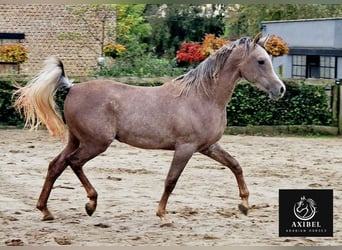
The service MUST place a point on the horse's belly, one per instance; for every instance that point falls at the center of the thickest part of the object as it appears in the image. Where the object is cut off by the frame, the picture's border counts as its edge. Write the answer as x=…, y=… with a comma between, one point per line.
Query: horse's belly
x=146, y=141
x=147, y=135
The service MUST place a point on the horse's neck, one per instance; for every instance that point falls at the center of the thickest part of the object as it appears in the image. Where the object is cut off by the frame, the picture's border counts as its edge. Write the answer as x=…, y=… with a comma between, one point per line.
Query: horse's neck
x=224, y=86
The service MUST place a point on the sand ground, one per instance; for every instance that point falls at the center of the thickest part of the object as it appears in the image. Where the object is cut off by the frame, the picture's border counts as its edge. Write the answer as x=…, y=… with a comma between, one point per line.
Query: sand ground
x=129, y=182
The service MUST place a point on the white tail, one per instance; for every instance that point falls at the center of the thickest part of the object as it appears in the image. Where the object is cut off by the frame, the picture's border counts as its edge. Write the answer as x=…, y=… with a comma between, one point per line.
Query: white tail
x=36, y=99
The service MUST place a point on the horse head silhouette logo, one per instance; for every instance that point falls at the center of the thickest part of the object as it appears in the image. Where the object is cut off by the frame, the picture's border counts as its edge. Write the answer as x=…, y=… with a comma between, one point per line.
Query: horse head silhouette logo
x=305, y=209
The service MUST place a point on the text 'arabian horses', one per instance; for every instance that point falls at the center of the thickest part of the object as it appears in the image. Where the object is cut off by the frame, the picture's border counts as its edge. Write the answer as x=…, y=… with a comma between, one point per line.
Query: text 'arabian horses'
x=187, y=115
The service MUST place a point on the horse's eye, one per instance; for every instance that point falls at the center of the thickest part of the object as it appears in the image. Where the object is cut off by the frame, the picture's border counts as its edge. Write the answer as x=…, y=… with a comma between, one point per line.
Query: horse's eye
x=261, y=62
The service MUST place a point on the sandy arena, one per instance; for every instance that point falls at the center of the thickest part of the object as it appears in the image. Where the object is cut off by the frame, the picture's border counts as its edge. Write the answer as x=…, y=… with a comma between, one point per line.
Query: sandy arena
x=129, y=182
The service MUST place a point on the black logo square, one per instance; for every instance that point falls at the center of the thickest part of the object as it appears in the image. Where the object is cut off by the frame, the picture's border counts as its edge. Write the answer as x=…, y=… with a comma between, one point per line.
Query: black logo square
x=306, y=212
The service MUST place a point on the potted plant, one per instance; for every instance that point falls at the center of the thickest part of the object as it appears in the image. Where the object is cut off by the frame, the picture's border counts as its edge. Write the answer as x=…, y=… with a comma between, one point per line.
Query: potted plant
x=11, y=55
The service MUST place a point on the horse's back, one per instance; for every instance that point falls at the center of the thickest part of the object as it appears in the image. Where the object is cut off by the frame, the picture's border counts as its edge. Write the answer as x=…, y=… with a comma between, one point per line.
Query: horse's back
x=100, y=106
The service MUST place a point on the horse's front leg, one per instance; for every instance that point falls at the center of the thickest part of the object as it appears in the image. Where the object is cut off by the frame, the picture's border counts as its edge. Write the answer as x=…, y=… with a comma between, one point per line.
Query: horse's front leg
x=217, y=153
x=181, y=157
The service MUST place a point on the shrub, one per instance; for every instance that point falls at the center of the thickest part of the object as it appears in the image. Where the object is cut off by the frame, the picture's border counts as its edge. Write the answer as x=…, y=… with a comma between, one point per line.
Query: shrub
x=276, y=46
x=211, y=43
x=8, y=115
x=114, y=50
x=193, y=52
x=141, y=66
x=190, y=53
x=13, y=53
x=302, y=104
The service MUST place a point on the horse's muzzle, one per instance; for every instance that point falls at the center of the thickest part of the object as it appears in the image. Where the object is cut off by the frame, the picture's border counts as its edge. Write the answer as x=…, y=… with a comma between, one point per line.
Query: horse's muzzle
x=277, y=94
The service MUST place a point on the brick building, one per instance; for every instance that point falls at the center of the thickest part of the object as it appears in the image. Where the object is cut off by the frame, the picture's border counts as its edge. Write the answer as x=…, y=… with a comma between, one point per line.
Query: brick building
x=38, y=26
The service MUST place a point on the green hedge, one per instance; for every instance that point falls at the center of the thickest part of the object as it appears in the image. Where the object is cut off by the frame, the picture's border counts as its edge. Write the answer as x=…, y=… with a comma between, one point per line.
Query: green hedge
x=302, y=104
x=8, y=115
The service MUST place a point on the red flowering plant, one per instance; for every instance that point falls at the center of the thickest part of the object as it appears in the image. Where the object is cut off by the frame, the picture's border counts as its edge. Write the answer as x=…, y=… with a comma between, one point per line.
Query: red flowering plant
x=190, y=52
x=193, y=52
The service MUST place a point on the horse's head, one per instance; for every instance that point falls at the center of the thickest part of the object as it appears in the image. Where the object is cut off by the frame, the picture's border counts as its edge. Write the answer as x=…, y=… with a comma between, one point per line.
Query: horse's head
x=256, y=67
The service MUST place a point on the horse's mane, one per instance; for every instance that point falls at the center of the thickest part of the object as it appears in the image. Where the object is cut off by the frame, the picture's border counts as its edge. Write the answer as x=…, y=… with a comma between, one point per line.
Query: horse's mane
x=206, y=72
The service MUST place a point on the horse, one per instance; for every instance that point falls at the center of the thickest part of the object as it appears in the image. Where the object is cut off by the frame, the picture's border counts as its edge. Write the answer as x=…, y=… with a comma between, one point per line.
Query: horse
x=185, y=115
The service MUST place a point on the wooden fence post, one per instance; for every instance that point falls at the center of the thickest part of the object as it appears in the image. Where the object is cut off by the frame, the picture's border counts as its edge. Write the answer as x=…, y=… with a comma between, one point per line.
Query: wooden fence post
x=335, y=104
x=339, y=109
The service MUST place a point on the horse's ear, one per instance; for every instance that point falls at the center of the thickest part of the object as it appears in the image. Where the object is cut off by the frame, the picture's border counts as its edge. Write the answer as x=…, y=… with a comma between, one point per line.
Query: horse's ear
x=262, y=41
x=257, y=38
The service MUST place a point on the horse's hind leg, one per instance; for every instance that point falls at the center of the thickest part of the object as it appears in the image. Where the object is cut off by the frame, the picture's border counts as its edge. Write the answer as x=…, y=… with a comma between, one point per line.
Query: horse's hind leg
x=217, y=153
x=78, y=158
x=56, y=167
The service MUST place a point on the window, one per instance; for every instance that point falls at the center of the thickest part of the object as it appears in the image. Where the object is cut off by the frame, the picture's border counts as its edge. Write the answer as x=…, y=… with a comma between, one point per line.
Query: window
x=298, y=66
x=11, y=37
x=313, y=66
x=327, y=67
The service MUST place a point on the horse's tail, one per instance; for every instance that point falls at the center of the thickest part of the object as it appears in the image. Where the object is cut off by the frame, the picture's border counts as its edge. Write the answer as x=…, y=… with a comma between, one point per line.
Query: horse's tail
x=36, y=100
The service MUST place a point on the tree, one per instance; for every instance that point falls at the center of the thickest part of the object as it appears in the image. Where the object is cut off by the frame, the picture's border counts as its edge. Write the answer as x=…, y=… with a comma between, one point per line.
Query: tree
x=132, y=29
x=95, y=25
x=173, y=24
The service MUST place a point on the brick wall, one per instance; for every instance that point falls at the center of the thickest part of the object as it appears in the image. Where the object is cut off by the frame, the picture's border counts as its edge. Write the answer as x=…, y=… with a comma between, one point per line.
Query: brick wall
x=42, y=24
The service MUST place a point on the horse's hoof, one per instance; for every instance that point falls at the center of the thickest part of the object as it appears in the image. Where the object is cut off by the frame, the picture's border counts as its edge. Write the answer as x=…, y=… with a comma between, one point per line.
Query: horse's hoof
x=167, y=224
x=48, y=217
x=90, y=209
x=243, y=208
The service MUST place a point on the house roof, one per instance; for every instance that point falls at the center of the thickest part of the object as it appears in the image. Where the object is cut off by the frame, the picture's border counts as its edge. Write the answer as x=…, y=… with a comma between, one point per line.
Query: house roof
x=322, y=51
x=303, y=20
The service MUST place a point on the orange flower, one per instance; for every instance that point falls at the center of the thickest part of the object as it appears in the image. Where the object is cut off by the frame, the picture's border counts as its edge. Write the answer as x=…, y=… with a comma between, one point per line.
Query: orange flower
x=211, y=43
x=114, y=50
x=13, y=53
x=276, y=46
